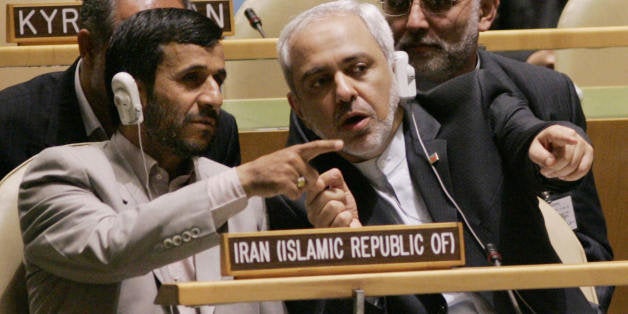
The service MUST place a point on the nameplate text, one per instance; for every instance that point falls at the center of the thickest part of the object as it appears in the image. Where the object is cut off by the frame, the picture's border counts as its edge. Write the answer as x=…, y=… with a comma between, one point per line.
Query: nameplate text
x=342, y=250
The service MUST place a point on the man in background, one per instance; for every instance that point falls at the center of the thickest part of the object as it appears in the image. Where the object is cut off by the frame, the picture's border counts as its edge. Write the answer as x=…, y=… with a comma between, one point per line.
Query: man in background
x=441, y=39
x=72, y=106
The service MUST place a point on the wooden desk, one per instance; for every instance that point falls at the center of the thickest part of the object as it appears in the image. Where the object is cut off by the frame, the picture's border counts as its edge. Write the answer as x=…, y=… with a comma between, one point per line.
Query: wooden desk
x=396, y=283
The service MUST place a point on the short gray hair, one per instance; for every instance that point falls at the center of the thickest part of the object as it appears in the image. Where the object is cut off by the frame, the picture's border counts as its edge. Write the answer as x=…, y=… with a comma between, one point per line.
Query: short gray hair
x=368, y=13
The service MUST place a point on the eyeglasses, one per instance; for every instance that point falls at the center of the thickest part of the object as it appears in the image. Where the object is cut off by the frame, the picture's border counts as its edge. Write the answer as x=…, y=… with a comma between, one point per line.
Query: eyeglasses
x=402, y=7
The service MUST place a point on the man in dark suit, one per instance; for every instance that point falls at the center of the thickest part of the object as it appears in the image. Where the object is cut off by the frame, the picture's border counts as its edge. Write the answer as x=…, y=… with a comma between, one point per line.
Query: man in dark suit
x=442, y=43
x=72, y=106
x=403, y=166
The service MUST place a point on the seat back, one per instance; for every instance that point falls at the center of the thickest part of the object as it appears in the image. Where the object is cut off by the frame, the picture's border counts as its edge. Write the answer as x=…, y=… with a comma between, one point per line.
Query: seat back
x=13, y=297
x=565, y=243
x=600, y=66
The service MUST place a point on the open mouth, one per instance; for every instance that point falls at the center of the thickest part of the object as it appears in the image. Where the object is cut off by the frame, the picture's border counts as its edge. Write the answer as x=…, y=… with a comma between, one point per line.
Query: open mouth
x=355, y=121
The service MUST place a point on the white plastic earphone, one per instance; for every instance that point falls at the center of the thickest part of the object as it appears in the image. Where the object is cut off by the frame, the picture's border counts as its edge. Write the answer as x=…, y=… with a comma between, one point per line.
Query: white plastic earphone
x=405, y=76
x=127, y=98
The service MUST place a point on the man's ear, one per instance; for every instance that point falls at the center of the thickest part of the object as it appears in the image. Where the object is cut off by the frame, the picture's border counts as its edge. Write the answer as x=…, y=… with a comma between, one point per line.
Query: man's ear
x=293, y=100
x=488, y=13
x=84, y=44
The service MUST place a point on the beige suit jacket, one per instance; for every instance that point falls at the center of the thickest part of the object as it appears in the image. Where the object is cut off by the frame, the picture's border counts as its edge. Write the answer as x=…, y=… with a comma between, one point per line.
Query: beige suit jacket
x=92, y=239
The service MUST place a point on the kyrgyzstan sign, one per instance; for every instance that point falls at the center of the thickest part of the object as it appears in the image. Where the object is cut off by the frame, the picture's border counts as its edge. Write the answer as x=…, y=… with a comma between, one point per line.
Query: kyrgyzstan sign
x=54, y=23
x=342, y=250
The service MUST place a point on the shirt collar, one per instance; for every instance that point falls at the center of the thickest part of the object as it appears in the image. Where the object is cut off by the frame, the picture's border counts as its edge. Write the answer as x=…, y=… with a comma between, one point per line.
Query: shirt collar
x=90, y=122
x=132, y=155
x=385, y=163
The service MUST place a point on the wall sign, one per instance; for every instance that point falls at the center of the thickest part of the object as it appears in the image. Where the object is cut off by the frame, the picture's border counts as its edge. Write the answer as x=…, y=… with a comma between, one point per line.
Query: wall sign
x=342, y=250
x=57, y=23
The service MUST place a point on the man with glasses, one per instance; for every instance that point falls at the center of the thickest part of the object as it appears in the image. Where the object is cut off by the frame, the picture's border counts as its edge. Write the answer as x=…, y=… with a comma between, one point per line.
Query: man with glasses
x=441, y=39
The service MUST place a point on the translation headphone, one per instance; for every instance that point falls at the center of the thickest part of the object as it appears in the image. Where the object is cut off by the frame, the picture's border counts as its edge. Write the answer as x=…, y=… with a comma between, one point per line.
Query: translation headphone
x=404, y=75
x=126, y=97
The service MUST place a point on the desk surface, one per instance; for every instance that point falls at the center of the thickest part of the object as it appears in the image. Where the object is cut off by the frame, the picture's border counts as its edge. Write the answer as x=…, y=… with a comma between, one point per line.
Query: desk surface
x=396, y=283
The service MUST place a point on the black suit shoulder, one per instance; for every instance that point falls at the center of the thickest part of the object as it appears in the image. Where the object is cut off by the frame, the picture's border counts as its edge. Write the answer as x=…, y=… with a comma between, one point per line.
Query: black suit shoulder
x=36, y=114
x=31, y=96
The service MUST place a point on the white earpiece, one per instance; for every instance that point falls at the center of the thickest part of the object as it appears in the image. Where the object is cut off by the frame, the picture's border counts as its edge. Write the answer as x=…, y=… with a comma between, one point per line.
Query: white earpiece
x=404, y=74
x=127, y=98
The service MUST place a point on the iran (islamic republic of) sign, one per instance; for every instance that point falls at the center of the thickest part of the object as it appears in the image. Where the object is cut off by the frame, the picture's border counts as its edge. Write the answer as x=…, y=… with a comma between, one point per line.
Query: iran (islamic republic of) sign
x=342, y=250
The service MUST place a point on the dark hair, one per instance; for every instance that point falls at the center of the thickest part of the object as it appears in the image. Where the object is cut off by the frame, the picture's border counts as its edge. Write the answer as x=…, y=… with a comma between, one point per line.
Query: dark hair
x=136, y=45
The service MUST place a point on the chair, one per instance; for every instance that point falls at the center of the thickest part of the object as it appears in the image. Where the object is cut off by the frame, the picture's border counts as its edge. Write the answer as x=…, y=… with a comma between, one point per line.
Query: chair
x=594, y=67
x=13, y=297
x=565, y=243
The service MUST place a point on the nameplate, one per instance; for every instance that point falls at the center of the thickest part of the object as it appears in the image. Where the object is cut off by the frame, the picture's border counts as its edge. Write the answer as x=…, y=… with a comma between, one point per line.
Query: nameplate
x=324, y=251
x=58, y=23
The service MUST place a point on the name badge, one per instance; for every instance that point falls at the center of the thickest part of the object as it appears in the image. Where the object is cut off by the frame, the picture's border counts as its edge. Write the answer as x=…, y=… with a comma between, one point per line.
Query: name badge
x=564, y=206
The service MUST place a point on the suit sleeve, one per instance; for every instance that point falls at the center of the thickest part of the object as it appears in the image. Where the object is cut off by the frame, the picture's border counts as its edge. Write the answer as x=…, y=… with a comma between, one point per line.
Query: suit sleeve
x=552, y=97
x=514, y=127
x=77, y=222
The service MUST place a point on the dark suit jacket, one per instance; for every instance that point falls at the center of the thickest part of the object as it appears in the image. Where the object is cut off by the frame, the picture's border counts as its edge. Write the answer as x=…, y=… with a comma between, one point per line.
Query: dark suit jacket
x=471, y=124
x=44, y=112
x=551, y=96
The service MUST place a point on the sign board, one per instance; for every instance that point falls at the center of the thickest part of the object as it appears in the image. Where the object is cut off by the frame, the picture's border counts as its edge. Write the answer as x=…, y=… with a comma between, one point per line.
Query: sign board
x=57, y=23
x=325, y=251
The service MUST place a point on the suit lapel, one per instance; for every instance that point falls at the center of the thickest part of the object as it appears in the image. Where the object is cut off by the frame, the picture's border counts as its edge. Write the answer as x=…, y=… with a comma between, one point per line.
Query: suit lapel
x=131, y=190
x=420, y=170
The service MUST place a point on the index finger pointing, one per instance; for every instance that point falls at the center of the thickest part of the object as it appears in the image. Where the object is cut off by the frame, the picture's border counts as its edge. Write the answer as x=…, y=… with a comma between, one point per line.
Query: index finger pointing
x=560, y=136
x=312, y=149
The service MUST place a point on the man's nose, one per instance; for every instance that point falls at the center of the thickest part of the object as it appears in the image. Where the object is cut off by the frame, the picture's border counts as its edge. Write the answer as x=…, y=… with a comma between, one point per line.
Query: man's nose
x=211, y=94
x=417, y=18
x=345, y=91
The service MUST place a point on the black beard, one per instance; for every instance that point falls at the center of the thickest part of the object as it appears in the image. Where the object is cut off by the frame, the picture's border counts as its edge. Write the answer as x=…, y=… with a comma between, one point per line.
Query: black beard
x=161, y=127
